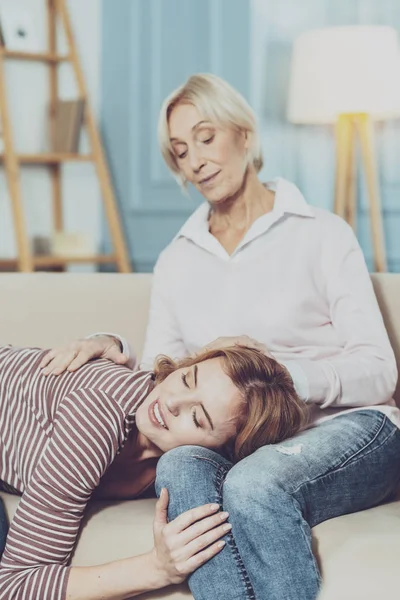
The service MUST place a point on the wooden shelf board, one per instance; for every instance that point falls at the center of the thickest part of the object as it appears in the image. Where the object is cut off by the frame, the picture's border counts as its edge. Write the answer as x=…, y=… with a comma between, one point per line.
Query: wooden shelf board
x=53, y=261
x=34, y=56
x=50, y=158
x=49, y=261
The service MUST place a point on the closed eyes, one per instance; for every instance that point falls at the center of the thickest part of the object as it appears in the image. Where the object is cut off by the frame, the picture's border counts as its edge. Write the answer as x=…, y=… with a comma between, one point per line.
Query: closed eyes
x=206, y=141
x=195, y=421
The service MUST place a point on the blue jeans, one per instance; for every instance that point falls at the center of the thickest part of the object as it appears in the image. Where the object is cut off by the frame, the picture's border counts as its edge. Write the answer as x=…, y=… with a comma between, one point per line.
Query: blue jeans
x=274, y=498
x=3, y=527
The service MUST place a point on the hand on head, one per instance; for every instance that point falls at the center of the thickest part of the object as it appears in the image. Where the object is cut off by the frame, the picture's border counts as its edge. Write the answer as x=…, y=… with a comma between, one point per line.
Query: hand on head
x=237, y=340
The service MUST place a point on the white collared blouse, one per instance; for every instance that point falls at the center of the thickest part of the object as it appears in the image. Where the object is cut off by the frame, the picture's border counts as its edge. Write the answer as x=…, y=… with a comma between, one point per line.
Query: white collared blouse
x=298, y=283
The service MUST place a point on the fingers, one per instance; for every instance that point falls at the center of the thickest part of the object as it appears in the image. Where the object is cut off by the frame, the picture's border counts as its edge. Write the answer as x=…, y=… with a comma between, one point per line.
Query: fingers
x=192, y=516
x=206, y=526
x=187, y=567
x=207, y=539
x=245, y=340
x=199, y=559
x=73, y=356
x=81, y=359
x=161, y=516
x=70, y=358
x=188, y=541
x=60, y=363
x=228, y=341
x=113, y=353
x=47, y=358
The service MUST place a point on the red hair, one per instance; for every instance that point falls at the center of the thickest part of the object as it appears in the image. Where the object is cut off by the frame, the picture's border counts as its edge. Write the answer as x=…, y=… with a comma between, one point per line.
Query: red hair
x=270, y=411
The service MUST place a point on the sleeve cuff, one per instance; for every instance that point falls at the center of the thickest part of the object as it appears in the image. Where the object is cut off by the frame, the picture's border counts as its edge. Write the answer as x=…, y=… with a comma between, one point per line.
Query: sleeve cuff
x=127, y=349
x=299, y=378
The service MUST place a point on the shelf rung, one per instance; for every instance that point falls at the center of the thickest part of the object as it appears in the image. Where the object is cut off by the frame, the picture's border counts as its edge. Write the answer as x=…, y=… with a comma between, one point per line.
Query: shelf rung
x=34, y=56
x=51, y=261
x=54, y=261
x=50, y=158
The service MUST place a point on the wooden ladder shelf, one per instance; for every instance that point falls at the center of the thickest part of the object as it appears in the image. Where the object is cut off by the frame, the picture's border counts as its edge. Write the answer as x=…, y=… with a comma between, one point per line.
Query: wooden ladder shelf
x=12, y=161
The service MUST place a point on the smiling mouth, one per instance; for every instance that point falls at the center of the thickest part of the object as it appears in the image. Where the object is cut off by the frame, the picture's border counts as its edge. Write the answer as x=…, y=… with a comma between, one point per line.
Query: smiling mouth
x=207, y=180
x=156, y=414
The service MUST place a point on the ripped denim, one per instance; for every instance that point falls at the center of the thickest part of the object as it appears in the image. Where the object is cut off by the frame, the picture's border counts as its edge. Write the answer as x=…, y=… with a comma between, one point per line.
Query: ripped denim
x=274, y=498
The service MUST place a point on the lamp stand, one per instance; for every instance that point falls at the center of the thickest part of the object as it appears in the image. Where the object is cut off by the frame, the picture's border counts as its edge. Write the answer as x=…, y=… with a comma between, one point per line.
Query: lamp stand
x=348, y=126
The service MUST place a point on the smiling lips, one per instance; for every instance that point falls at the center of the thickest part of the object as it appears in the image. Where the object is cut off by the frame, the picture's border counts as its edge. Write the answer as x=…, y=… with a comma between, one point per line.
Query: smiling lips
x=156, y=415
x=209, y=179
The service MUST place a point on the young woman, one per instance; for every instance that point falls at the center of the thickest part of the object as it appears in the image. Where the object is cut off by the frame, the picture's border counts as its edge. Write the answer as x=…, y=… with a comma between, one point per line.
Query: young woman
x=101, y=430
x=256, y=260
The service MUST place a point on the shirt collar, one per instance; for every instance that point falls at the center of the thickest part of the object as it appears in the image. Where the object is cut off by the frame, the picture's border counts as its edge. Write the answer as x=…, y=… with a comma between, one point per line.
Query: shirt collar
x=196, y=223
x=288, y=200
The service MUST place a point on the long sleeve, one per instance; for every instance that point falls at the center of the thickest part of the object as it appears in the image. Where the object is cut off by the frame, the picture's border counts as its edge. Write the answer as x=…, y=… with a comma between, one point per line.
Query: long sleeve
x=365, y=372
x=88, y=430
x=126, y=348
x=163, y=335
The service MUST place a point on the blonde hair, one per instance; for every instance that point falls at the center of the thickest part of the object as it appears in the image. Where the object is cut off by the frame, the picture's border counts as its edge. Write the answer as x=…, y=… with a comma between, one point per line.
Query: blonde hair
x=218, y=102
x=270, y=411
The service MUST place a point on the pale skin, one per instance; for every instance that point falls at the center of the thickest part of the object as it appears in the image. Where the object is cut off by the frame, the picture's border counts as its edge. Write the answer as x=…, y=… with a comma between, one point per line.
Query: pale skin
x=203, y=149
x=194, y=405
x=214, y=158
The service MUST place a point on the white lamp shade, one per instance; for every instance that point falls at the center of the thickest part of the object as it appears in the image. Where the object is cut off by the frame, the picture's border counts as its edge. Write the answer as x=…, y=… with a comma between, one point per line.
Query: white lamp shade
x=345, y=70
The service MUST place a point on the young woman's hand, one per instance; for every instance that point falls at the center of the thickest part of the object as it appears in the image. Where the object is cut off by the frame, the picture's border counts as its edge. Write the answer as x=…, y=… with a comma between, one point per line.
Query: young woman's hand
x=187, y=542
x=73, y=356
x=240, y=340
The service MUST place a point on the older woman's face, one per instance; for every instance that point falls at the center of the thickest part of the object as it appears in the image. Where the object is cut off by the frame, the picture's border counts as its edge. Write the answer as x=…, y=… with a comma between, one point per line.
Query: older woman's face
x=211, y=157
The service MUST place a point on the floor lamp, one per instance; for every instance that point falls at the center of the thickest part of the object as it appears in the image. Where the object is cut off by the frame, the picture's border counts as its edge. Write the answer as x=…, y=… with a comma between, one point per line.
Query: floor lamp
x=350, y=77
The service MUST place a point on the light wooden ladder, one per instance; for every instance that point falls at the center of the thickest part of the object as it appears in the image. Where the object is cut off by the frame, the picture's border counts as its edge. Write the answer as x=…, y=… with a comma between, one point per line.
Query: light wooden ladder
x=13, y=161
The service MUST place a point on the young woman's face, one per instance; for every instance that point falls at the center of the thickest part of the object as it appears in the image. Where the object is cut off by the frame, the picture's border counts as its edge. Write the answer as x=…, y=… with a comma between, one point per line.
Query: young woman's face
x=211, y=157
x=192, y=406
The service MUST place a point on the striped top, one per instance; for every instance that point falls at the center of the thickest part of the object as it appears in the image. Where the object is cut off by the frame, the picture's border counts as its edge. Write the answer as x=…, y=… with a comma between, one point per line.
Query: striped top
x=58, y=436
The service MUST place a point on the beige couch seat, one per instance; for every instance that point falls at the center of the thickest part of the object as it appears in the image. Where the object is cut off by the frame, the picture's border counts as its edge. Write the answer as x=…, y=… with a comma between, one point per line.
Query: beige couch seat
x=358, y=553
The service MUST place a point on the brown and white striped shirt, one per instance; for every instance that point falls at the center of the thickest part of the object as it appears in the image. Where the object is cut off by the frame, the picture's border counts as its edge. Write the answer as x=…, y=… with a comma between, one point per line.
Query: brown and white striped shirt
x=58, y=436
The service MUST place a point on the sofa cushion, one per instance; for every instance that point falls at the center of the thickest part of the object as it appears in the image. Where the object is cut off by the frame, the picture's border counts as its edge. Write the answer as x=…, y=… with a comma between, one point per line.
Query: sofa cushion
x=387, y=290
x=358, y=553
x=351, y=549
x=112, y=531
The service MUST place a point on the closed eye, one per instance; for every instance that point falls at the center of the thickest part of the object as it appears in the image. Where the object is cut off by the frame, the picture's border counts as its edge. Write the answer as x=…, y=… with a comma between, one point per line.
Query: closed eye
x=195, y=421
x=183, y=377
x=208, y=140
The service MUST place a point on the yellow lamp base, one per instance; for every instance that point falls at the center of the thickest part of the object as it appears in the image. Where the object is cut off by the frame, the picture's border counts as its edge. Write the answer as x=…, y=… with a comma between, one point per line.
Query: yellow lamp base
x=348, y=126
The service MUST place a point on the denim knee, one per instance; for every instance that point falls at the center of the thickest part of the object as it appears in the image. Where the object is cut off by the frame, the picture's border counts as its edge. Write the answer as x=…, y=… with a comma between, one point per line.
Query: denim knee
x=193, y=475
x=247, y=486
x=178, y=466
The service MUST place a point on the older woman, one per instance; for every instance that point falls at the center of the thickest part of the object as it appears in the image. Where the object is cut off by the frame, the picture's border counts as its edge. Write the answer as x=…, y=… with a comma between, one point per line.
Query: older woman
x=256, y=260
x=101, y=431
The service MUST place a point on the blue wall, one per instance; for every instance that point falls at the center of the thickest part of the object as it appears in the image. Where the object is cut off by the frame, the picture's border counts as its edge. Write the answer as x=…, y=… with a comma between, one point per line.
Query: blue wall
x=305, y=154
x=151, y=46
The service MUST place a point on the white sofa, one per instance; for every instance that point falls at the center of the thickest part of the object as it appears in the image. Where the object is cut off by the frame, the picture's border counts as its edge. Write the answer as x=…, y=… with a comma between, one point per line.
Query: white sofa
x=358, y=553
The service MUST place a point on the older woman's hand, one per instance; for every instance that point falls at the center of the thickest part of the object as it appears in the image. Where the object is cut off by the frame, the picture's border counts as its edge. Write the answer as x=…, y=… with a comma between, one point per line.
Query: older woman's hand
x=73, y=356
x=241, y=340
x=187, y=542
